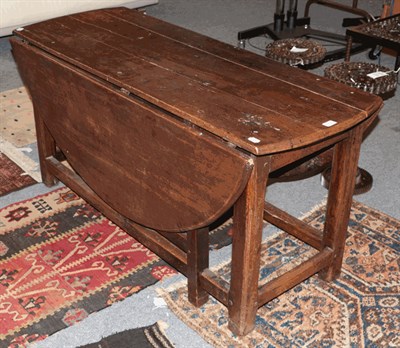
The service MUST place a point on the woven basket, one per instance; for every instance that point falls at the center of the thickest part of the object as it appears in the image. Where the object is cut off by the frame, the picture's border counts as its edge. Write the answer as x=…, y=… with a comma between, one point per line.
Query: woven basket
x=296, y=51
x=355, y=74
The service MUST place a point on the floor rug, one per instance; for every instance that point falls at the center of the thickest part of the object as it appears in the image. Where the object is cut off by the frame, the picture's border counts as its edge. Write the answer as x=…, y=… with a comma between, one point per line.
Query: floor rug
x=61, y=260
x=12, y=177
x=360, y=309
x=20, y=156
x=152, y=336
x=17, y=121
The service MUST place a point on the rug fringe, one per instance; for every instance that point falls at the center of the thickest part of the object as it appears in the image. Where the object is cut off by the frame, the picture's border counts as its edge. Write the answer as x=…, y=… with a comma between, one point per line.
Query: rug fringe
x=172, y=287
x=316, y=207
x=29, y=166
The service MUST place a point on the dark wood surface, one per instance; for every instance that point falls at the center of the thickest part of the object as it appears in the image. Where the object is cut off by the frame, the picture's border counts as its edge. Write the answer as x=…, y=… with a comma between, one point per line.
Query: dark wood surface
x=283, y=107
x=167, y=165
x=168, y=129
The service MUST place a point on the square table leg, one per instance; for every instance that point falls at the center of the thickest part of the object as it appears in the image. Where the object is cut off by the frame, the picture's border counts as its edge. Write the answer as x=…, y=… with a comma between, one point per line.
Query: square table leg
x=246, y=249
x=46, y=148
x=349, y=43
x=344, y=171
x=198, y=261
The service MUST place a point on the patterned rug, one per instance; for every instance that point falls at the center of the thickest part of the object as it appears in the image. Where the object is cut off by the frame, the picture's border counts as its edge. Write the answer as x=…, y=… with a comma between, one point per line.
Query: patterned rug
x=61, y=260
x=360, y=309
x=17, y=121
x=17, y=130
x=12, y=177
x=152, y=336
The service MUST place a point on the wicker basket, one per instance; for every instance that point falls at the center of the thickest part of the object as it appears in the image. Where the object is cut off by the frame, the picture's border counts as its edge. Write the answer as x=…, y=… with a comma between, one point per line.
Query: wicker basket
x=355, y=74
x=296, y=51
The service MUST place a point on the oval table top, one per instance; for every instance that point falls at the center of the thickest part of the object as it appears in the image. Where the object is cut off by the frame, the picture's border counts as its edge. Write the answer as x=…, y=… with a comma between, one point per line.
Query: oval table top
x=254, y=103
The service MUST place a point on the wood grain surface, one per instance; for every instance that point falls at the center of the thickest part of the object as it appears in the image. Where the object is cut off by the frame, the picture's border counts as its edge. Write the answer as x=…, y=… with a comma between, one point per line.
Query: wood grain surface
x=153, y=169
x=261, y=106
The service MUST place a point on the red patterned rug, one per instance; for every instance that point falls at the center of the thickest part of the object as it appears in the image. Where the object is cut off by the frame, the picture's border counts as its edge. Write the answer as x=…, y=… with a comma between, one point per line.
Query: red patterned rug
x=61, y=260
x=12, y=177
x=360, y=309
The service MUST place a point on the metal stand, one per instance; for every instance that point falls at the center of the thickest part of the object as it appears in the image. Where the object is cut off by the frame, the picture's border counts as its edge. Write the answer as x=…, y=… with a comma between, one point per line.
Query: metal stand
x=295, y=27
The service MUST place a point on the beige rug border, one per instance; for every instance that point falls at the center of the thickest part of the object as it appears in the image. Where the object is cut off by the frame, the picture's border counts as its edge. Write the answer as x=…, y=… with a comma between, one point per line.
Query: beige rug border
x=29, y=166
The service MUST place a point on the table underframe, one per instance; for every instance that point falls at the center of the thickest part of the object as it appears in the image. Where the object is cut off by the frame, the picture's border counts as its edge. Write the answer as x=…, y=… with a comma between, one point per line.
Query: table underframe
x=189, y=252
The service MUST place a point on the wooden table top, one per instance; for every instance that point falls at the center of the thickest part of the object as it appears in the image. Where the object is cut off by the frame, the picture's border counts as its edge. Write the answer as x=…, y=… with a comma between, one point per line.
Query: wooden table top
x=254, y=103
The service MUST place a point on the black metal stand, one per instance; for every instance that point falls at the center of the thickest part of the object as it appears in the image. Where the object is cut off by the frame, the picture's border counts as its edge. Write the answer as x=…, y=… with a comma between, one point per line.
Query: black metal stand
x=302, y=29
x=295, y=27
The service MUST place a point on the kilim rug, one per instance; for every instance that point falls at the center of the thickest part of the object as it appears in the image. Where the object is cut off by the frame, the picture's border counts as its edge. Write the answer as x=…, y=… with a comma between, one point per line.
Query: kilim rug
x=12, y=177
x=360, y=309
x=152, y=336
x=61, y=260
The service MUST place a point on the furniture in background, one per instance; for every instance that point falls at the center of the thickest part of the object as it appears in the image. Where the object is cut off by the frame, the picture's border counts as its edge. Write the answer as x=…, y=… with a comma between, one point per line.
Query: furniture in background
x=294, y=27
x=296, y=52
x=369, y=77
x=390, y=8
x=167, y=129
x=17, y=13
x=384, y=32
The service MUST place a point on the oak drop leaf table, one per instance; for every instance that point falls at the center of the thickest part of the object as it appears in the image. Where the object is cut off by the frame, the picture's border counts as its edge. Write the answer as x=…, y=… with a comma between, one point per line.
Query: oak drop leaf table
x=166, y=130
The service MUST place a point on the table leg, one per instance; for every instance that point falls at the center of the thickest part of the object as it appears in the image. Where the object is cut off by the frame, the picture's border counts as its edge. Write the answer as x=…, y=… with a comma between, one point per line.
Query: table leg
x=349, y=44
x=246, y=248
x=343, y=176
x=46, y=147
x=198, y=260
